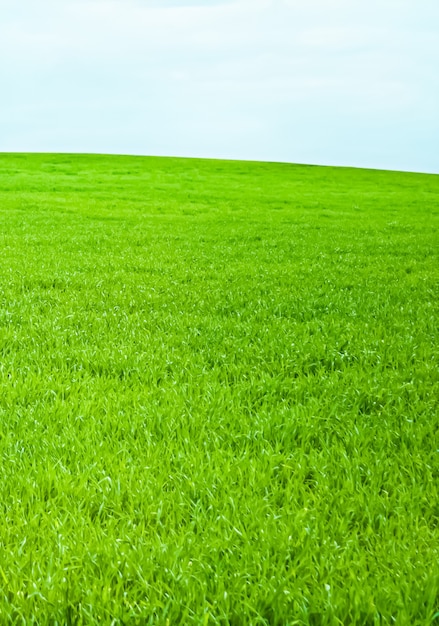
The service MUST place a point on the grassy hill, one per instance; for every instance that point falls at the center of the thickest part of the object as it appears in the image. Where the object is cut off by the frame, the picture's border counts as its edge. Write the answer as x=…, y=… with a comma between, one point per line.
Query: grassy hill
x=219, y=393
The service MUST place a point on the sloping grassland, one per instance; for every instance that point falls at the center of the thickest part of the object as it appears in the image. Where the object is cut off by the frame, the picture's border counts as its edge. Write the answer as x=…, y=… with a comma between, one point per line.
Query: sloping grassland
x=219, y=393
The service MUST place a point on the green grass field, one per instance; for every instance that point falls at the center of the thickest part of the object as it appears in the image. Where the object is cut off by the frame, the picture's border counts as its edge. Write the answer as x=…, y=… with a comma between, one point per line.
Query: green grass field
x=219, y=393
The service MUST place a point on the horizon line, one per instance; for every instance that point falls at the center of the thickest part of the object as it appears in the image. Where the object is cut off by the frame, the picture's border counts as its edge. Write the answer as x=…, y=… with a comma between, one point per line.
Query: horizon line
x=228, y=160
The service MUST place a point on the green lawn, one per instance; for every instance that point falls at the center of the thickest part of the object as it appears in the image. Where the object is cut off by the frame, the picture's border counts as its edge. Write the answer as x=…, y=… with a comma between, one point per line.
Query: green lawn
x=219, y=393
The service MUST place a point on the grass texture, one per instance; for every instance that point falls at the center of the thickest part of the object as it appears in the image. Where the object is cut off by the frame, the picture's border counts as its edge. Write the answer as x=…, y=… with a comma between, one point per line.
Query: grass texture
x=219, y=393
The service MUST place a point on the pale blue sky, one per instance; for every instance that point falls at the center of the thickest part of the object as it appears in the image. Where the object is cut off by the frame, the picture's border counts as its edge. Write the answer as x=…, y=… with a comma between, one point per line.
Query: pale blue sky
x=343, y=82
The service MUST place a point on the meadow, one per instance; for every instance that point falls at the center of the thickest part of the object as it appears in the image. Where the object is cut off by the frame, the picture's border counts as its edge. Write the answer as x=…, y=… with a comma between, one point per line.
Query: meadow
x=219, y=393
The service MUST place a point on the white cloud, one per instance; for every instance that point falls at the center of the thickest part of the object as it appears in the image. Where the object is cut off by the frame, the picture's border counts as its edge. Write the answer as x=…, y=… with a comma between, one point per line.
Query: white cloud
x=254, y=79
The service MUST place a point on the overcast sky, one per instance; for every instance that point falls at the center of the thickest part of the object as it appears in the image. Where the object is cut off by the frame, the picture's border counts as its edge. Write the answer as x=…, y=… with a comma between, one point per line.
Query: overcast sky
x=343, y=82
